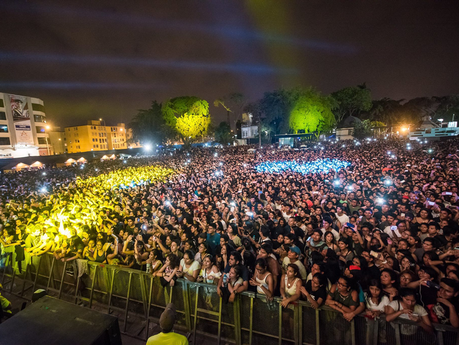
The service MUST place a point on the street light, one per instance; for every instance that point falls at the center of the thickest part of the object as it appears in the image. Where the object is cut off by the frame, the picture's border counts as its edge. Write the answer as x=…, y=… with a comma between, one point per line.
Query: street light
x=46, y=137
x=441, y=122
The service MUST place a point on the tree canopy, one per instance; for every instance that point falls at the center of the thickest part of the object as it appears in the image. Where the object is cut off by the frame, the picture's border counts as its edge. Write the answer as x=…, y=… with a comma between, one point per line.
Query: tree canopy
x=352, y=101
x=149, y=126
x=223, y=133
x=311, y=112
x=188, y=116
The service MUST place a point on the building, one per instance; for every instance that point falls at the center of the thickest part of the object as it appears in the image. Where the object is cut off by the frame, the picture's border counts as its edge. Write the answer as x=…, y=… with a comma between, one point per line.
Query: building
x=345, y=133
x=23, y=129
x=95, y=137
x=246, y=130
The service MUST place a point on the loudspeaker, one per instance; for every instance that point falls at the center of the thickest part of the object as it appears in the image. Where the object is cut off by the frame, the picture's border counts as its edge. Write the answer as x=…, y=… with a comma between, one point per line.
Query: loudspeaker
x=52, y=321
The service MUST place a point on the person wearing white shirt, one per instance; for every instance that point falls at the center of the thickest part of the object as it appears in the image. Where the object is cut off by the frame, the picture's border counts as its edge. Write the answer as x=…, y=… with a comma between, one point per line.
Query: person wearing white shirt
x=341, y=216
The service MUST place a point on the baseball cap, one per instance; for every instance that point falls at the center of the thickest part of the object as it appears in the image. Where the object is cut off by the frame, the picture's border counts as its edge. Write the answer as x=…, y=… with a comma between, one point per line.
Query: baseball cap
x=296, y=250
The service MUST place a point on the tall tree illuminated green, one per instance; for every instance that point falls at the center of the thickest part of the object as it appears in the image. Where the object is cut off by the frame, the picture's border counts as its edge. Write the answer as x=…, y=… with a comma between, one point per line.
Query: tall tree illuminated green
x=188, y=116
x=311, y=112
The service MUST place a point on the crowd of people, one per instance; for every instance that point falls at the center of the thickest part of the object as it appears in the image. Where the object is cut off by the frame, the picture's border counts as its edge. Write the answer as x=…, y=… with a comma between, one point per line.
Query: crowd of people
x=379, y=236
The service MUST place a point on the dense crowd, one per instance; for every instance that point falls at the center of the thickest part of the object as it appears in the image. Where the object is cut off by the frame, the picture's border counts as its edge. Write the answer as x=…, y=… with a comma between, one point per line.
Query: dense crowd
x=378, y=236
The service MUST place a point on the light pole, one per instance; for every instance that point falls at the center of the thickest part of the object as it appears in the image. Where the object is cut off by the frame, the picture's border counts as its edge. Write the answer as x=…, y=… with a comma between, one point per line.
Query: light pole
x=46, y=137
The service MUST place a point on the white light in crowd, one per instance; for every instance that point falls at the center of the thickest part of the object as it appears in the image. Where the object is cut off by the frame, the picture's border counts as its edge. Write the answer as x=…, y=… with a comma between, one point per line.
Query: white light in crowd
x=350, y=187
x=221, y=163
x=388, y=152
x=232, y=203
x=124, y=161
x=44, y=174
x=167, y=203
x=147, y=147
x=96, y=169
x=43, y=190
x=380, y=201
x=388, y=182
x=216, y=154
x=336, y=182
x=343, y=145
x=250, y=214
x=430, y=150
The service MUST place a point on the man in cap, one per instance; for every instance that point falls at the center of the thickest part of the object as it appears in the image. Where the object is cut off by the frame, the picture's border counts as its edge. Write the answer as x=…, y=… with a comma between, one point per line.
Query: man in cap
x=166, y=322
x=293, y=258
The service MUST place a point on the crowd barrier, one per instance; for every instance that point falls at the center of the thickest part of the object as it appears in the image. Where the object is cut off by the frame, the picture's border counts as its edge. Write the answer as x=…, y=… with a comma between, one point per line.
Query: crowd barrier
x=139, y=299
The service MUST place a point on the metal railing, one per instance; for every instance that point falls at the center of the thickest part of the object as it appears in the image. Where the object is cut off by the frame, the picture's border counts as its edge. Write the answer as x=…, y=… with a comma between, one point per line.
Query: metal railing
x=251, y=319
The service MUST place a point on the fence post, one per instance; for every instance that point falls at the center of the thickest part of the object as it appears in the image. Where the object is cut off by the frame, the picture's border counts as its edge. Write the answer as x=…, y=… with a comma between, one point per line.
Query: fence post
x=128, y=295
x=37, y=272
x=397, y=334
x=317, y=327
x=51, y=273
x=440, y=338
x=92, y=285
x=62, y=280
x=7, y=260
x=144, y=294
x=25, y=280
x=110, y=291
x=280, y=323
x=252, y=296
x=237, y=320
x=220, y=320
x=376, y=332
x=296, y=328
x=150, y=297
x=187, y=304
x=195, y=315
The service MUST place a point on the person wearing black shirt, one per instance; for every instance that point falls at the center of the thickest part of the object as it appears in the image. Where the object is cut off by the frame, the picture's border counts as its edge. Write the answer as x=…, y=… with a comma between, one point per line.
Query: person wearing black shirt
x=315, y=291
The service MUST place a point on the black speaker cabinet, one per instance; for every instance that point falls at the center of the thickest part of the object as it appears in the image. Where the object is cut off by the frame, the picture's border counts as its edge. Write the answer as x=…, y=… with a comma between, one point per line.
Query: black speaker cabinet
x=51, y=321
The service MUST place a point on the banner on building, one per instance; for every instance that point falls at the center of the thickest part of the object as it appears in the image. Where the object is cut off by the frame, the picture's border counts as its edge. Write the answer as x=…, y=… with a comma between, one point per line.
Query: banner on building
x=21, y=117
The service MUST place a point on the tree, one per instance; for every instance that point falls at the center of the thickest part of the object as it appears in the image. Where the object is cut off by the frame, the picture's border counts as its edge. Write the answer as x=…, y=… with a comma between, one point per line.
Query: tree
x=448, y=109
x=312, y=113
x=275, y=108
x=188, y=117
x=233, y=103
x=362, y=129
x=223, y=133
x=417, y=108
x=352, y=101
x=386, y=110
x=149, y=126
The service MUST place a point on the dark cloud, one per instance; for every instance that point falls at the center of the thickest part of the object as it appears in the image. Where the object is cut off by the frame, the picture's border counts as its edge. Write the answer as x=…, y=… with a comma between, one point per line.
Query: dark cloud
x=94, y=59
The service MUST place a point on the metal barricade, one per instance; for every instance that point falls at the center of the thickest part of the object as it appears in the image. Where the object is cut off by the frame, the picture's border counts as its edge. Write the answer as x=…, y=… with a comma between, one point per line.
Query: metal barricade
x=251, y=319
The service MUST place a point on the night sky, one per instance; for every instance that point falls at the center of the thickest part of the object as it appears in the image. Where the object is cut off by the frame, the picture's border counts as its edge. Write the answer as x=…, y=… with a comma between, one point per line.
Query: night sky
x=97, y=58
